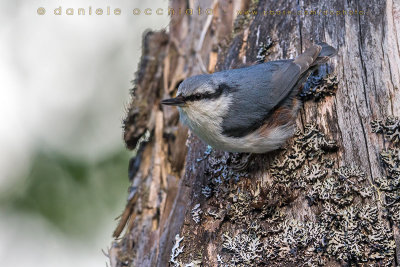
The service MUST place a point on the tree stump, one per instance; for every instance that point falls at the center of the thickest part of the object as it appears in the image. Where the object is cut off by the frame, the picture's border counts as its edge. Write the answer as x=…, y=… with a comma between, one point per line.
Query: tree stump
x=329, y=197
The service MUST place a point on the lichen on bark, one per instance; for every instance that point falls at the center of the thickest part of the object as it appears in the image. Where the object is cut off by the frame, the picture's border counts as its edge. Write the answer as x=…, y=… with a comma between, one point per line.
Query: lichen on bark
x=255, y=222
x=329, y=198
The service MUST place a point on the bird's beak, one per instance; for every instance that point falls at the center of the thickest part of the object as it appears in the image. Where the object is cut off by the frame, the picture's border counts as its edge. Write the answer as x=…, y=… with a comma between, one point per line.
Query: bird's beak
x=177, y=101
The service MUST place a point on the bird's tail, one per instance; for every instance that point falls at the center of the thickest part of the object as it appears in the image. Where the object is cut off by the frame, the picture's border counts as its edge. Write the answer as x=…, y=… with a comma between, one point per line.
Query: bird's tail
x=308, y=61
x=327, y=52
x=315, y=55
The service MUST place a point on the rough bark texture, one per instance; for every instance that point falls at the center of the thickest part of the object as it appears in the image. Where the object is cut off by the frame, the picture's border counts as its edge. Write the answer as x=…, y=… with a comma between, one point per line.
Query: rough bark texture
x=331, y=197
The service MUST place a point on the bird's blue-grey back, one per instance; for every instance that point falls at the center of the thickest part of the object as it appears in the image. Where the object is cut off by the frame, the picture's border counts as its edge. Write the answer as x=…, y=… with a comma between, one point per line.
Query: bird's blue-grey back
x=256, y=91
x=259, y=89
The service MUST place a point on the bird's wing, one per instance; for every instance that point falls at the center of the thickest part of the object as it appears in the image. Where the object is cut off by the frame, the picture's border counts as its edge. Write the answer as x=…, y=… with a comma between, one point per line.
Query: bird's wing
x=259, y=89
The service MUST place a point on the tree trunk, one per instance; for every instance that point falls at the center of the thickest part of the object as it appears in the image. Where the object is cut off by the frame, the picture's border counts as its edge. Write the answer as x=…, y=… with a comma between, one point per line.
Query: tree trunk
x=331, y=197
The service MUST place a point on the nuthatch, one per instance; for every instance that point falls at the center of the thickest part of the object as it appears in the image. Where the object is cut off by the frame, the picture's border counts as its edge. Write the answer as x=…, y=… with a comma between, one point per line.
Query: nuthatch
x=251, y=109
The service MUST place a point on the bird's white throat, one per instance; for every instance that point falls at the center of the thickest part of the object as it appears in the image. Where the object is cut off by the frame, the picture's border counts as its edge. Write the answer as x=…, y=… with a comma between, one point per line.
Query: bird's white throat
x=204, y=118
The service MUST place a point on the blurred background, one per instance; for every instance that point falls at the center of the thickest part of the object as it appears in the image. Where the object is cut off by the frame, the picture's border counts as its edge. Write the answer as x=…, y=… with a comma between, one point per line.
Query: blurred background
x=65, y=84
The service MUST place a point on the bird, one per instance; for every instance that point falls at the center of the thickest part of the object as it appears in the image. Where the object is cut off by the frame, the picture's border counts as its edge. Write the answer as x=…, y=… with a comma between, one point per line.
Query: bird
x=251, y=109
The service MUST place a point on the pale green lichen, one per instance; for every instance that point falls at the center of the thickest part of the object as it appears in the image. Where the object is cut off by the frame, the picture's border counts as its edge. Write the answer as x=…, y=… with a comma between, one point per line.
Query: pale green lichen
x=390, y=127
x=206, y=191
x=389, y=186
x=319, y=86
x=176, y=251
x=196, y=213
x=264, y=49
x=246, y=249
x=345, y=227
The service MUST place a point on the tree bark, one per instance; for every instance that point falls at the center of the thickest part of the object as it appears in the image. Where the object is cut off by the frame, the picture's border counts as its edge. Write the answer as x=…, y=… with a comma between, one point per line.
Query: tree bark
x=331, y=197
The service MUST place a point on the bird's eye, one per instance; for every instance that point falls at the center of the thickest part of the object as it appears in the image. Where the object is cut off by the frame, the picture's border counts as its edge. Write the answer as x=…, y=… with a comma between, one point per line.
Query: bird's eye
x=197, y=96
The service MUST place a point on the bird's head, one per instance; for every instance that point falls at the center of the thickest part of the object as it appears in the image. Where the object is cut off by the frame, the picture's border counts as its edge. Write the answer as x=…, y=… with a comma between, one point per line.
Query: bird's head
x=198, y=92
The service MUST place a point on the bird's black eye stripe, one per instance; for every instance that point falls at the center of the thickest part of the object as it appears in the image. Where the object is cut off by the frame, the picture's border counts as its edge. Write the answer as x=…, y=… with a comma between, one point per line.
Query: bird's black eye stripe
x=222, y=88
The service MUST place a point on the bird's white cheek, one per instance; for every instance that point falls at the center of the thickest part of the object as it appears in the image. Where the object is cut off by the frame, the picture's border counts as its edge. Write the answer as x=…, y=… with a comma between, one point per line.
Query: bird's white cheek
x=211, y=111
